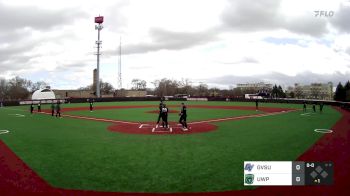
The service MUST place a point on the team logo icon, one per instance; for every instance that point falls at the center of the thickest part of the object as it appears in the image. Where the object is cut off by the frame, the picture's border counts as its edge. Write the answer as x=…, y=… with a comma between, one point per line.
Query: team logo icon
x=248, y=167
x=249, y=178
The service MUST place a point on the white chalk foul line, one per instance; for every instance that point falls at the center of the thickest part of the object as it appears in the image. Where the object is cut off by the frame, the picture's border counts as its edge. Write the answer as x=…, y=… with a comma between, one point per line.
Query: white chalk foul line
x=307, y=114
x=241, y=117
x=17, y=115
x=4, y=131
x=100, y=119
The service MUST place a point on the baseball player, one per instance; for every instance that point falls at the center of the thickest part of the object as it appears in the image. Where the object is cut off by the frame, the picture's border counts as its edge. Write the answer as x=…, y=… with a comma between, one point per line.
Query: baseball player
x=58, y=109
x=164, y=114
x=91, y=105
x=321, y=107
x=52, y=109
x=39, y=107
x=31, y=108
x=160, y=111
x=183, y=117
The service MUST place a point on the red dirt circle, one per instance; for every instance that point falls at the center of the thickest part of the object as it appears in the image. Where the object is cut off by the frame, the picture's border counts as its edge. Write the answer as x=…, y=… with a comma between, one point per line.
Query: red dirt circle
x=153, y=129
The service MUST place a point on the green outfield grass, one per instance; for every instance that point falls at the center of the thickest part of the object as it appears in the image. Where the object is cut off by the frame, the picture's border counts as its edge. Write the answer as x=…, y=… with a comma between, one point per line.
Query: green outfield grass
x=82, y=154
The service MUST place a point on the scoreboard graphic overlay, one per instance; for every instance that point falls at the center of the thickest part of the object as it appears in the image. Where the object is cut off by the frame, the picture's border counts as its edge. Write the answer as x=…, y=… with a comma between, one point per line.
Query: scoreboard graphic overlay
x=287, y=173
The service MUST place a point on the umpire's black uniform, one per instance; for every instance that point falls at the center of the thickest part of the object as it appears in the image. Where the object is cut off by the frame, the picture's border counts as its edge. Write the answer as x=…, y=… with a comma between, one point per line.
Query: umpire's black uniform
x=39, y=107
x=183, y=116
x=160, y=111
x=31, y=108
x=164, y=114
x=91, y=106
x=58, y=110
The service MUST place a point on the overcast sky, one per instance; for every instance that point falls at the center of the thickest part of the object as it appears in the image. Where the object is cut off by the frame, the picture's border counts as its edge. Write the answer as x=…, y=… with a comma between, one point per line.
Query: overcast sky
x=220, y=42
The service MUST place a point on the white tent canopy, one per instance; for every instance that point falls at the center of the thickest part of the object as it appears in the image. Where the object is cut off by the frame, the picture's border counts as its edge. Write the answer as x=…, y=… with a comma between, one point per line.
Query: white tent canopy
x=43, y=94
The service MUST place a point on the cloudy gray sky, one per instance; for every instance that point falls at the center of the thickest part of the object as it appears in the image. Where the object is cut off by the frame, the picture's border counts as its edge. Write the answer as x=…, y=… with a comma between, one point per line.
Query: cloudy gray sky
x=218, y=42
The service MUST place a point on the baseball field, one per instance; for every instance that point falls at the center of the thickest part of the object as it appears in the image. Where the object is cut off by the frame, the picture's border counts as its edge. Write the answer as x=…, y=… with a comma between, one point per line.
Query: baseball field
x=118, y=148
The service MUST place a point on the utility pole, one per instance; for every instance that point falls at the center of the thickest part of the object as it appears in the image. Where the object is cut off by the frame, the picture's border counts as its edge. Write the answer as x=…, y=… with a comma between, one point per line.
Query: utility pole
x=98, y=27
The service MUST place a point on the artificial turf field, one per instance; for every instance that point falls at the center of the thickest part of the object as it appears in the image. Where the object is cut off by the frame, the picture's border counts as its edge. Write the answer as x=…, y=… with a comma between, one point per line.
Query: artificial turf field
x=83, y=154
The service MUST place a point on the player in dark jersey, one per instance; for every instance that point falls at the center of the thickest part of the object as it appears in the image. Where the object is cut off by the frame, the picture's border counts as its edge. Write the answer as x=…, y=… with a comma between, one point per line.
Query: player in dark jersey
x=304, y=106
x=52, y=109
x=321, y=107
x=183, y=117
x=39, y=107
x=256, y=104
x=160, y=111
x=58, y=109
x=164, y=114
x=31, y=108
x=91, y=104
x=314, y=107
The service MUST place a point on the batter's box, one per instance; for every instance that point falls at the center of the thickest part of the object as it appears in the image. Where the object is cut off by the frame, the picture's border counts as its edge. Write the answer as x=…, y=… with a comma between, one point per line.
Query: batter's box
x=180, y=128
x=162, y=130
x=145, y=126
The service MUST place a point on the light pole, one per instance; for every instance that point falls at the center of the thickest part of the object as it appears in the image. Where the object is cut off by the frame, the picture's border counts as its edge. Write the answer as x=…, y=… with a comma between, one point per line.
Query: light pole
x=98, y=27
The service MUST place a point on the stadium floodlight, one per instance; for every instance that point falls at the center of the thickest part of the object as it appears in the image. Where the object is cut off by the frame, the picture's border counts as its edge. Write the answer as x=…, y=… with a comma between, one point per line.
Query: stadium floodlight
x=98, y=27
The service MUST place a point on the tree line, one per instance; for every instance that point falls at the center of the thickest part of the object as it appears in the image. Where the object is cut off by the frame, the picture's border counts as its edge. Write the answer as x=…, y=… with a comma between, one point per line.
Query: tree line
x=342, y=93
x=18, y=88
x=167, y=87
x=105, y=88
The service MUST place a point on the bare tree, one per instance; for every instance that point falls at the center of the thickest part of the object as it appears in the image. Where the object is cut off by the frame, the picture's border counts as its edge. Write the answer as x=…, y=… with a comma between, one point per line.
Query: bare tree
x=38, y=85
x=18, y=88
x=237, y=92
x=4, y=88
x=139, y=84
x=105, y=87
x=203, y=90
x=166, y=87
x=298, y=92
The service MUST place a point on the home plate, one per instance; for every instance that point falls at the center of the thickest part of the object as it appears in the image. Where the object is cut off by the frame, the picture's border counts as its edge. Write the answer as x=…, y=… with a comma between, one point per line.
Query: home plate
x=162, y=130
